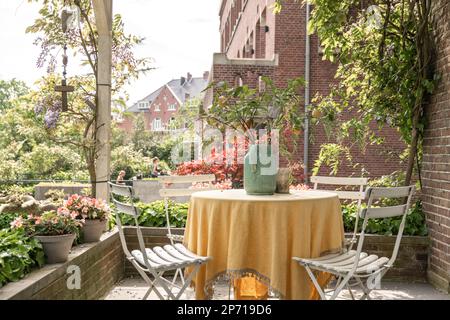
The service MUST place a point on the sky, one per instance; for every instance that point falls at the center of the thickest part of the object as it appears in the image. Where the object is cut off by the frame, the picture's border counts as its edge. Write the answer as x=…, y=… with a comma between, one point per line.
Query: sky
x=180, y=36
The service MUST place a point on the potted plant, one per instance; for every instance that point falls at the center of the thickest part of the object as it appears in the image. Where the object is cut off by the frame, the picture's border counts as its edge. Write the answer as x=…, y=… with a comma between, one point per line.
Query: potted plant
x=55, y=230
x=247, y=110
x=92, y=211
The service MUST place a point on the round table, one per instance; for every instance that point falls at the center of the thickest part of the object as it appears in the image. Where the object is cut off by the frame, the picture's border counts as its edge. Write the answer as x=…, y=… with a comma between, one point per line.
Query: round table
x=259, y=235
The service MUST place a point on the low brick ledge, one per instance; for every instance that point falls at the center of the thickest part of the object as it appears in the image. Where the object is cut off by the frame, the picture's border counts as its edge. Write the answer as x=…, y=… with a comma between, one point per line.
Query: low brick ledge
x=49, y=282
x=412, y=259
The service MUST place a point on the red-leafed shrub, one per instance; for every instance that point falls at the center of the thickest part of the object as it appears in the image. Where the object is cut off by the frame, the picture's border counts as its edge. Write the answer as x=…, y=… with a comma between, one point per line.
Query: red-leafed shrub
x=226, y=165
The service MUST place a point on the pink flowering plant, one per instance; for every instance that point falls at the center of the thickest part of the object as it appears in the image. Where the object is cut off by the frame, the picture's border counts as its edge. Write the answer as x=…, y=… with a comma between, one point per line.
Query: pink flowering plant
x=83, y=207
x=50, y=223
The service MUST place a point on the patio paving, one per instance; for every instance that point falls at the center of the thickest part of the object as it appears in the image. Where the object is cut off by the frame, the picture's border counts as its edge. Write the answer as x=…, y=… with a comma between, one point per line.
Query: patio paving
x=135, y=288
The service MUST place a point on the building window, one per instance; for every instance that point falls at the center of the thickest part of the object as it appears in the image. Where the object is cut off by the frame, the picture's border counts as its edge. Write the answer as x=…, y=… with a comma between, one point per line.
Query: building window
x=157, y=107
x=157, y=124
x=172, y=107
x=143, y=105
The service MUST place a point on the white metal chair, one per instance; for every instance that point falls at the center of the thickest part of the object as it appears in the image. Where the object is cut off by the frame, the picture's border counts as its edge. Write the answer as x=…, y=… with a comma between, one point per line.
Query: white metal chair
x=355, y=264
x=345, y=195
x=168, y=193
x=157, y=260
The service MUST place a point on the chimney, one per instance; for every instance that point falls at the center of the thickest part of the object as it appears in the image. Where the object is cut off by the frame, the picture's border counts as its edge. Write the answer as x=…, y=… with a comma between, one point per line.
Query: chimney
x=206, y=75
x=189, y=77
x=182, y=80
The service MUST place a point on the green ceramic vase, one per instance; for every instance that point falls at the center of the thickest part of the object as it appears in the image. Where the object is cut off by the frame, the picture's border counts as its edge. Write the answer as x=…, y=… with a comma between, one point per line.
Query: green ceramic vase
x=260, y=178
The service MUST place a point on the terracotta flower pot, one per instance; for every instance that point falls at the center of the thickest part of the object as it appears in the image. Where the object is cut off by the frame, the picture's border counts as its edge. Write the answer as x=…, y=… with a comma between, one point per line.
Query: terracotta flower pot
x=93, y=229
x=56, y=248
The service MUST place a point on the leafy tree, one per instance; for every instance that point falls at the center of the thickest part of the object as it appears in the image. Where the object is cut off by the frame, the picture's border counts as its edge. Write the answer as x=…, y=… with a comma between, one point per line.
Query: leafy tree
x=9, y=91
x=188, y=114
x=142, y=139
x=118, y=136
x=77, y=126
x=132, y=161
x=27, y=153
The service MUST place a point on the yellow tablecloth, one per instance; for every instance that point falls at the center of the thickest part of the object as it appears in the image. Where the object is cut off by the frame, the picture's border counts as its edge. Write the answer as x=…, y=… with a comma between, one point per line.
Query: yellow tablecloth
x=260, y=235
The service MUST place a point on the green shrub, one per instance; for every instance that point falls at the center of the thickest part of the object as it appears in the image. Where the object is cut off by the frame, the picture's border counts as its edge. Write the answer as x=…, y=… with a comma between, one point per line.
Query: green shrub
x=18, y=255
x=6, y=219
x=56, y=162
x=415, y=222
x=153, y=215
x=133, y=162
x=7, y=189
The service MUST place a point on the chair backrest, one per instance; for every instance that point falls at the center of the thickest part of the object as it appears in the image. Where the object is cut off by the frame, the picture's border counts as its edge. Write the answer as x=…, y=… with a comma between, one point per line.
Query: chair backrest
x=167, y=193
x=343, y=181
x=130, y=209
x=375, y=212
x=345, y=194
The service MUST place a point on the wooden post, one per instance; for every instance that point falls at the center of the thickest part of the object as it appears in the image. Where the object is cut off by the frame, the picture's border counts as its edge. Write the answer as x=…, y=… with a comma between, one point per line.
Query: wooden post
x=103, y=18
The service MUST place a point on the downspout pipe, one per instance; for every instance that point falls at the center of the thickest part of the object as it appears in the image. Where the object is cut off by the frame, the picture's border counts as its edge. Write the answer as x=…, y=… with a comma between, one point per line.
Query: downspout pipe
x=307, y=97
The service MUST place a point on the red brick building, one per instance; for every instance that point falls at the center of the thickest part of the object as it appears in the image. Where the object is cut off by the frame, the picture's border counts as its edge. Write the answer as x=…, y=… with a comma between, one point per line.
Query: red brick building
x=255, y=42
x=160, y=107
x=436, y=156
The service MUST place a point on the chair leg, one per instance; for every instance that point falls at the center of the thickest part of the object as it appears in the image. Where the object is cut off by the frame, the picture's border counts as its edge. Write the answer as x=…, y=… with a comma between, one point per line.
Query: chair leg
x=341, y=285
x=365, y=290
x=188, y=281
x=148, y=293
x=169, y=292
x=350, y=291
x=151, y=285
x=175, y=278
x=182, y=276
x=316, y=284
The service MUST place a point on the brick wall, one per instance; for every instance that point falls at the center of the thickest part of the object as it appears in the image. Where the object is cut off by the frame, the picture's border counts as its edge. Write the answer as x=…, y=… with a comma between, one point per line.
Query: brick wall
x=436, y=156
x=233, y=70
x=411, y=262
x=236, y=28
x=101, y=265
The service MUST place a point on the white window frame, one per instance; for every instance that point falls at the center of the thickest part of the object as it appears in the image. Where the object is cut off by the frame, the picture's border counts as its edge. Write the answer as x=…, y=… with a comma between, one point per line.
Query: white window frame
x=155, y=126
x=172, y=107
x=143, y=105
x=157, y=107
